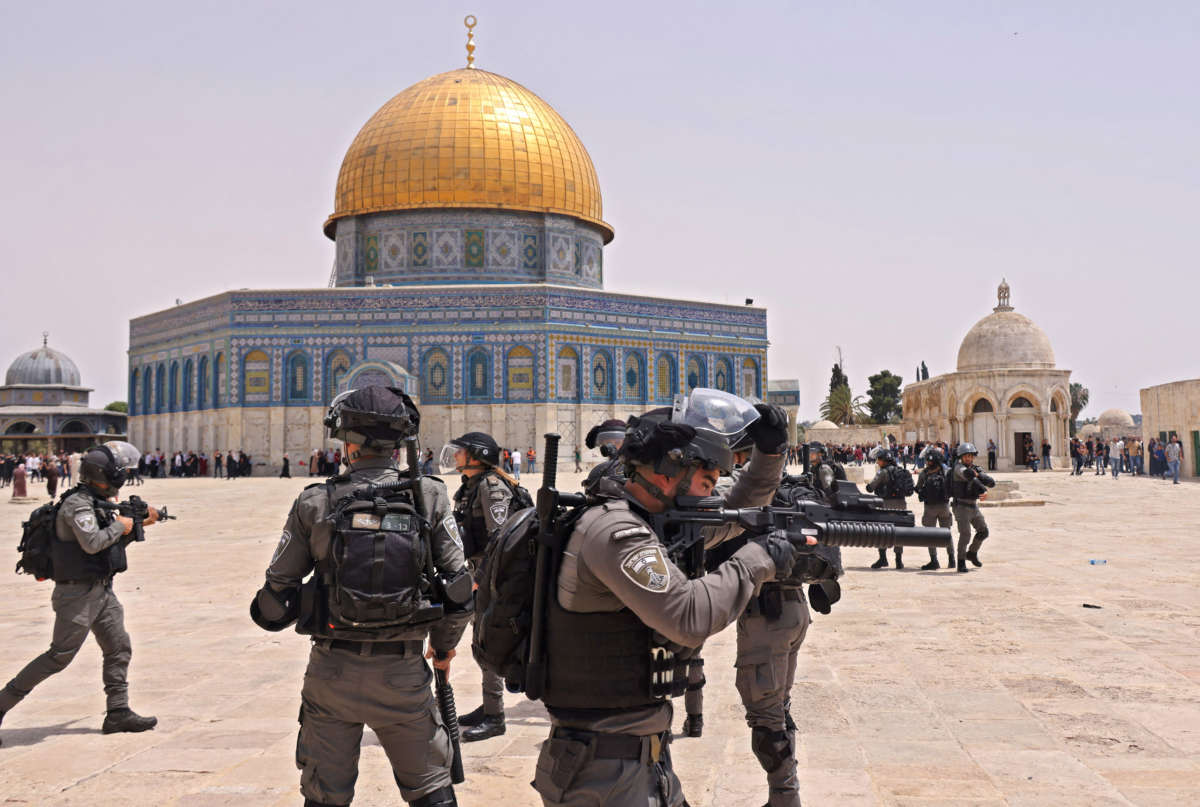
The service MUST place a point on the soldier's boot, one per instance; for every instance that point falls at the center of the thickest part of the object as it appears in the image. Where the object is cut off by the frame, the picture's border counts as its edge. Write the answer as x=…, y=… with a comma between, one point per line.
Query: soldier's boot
x=1, y=722
x=473, y=717
x=950, y=559
x=974, y=558
x=962, y=564
x=882, y=562
x=490, y=726
x=315, y=803
x=899, y=560
x=931, y=565
x=693, y=725
x=126, y=720
x=442, y=797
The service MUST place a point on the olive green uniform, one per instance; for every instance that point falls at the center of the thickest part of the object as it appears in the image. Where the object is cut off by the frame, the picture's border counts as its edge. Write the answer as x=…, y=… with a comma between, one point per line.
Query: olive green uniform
x=387, y=690
x=613, y=564
x=80, y=607
x=481, y=507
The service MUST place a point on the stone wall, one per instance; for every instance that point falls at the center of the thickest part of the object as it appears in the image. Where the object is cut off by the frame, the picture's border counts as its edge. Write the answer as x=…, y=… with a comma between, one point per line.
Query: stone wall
x=1174, y=407
x=853, y=435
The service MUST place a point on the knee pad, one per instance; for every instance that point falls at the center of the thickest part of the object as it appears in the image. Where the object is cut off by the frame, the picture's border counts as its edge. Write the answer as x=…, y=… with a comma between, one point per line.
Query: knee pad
x=442, y=797
x=772, y=748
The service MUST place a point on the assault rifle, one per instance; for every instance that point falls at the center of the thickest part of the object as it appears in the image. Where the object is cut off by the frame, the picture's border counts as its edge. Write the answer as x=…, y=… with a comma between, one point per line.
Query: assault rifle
x=136, y=508
x=846, y=517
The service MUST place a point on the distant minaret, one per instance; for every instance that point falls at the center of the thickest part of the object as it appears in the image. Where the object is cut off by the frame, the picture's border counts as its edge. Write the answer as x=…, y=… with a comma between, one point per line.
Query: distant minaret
x=1002, y=294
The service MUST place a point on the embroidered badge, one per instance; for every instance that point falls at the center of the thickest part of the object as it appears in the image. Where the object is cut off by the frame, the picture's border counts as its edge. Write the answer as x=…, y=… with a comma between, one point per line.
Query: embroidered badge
x=450, y=525
x=364, y=521
x=499, y=512
x=85, y=520
x=284, y=540
x=647, y=568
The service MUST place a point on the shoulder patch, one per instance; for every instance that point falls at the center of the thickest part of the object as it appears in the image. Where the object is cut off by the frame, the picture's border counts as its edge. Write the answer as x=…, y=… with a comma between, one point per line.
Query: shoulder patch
x=629, y=532
x=647, y=568
x=284, y=540
x=86, y=520
x=450, y=525
x=499, y=512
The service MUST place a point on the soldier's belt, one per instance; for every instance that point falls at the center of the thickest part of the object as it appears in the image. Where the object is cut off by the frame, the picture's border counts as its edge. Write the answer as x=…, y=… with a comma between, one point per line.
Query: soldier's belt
x=373, y=648
x=618, y=746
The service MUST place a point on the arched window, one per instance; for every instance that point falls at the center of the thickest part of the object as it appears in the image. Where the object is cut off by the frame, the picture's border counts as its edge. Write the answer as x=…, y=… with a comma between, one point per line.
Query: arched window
x=479, y=376
x=723, y=376
x=566, y=374
x=173, y=380
x=1020, y=402
x=697, y=375
x=337, y=364
x=750, y=385
x=634, y=377
x=74, y=427
x=298, y=380
x=982, y=405
x=435, y=375
x=202, y=383
x=147, y=397
x=601, y=377
x=256, y=376
x=134, y=391
x=21, y=427
x=218, y=380
x=188, y=369
x=665, y=382
x=1054, y=404
x=520, y=374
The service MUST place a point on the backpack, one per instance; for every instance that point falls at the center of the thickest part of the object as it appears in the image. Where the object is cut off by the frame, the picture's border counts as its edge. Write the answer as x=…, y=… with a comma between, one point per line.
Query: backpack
x=936, y=488
x=900, y=483
x=375, y=574
x=37, y=536
x=504, y=598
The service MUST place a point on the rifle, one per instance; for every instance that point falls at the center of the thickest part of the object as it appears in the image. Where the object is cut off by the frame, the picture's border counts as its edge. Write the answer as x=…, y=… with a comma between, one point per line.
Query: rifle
x=847, y=517
x=137, y=509
x=445, y=692
x=550, y=503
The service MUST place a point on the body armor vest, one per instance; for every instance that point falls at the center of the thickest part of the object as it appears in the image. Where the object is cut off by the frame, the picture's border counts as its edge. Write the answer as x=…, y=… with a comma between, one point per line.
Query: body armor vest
x=961, y=488
x=72, y=563
x=470, y=522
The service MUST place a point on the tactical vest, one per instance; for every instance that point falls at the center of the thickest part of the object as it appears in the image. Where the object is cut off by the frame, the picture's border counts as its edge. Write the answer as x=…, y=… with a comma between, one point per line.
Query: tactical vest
x=961, y=488
x=72, y=563
x=470, y=522
x=607, y=661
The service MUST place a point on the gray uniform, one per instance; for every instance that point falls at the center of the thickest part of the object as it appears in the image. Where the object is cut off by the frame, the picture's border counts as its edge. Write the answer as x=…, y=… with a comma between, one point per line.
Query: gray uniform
x=481, y=513
x=881, y=483
x=81, y=607
x=390, y=692
x=967, y=514
x=935, y=514
x=613, y=561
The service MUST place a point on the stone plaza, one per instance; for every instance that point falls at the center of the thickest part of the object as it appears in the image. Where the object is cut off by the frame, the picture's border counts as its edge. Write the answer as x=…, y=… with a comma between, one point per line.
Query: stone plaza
x=1001, y=686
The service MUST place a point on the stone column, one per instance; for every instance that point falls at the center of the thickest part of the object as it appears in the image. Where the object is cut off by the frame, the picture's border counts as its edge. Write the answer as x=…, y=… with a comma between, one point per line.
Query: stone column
x=1003, y=439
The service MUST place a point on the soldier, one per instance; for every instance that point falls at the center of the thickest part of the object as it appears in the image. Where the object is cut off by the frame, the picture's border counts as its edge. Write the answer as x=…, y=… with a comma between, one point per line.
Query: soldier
x=481, y=506
x=933, y=488
x=622, y=617
x=87, y=551
x=968, y=485
x=608, y=436
x=823, y=472
x=368, y=607
x=889, y=484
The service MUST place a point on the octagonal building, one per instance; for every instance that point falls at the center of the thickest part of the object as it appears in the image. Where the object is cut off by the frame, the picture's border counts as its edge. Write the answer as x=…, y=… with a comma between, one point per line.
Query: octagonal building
x=469, y=269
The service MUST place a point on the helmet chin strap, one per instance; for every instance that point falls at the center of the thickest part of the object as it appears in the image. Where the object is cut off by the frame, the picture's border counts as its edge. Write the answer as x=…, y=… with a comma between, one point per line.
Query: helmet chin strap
x=653, y=490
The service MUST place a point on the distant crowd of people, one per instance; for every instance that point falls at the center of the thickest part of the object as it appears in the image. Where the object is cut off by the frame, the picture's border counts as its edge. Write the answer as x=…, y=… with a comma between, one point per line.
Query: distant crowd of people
x=189, y=464
x=48, y=468
x=1127, y=455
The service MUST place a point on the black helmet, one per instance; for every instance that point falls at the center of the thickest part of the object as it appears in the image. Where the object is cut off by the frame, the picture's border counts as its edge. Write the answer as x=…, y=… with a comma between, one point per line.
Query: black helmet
x=106, y=466
x=608, y=436
x=965, y=448
x=653, y=439
x=818, y=448
x=478, y=446
x=933, y=456
x=374, y=416
x=881, y=453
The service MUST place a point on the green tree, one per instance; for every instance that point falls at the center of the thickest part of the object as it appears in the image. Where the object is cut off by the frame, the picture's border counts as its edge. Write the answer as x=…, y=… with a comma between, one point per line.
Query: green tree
x=837, y=378
x=883, y=396
x=843, y=408
x=117, y=406
x=1079, y=402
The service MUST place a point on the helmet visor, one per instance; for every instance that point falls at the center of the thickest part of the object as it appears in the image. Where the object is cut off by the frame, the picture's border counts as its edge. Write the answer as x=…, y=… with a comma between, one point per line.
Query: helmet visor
x=714, y=410
x=124, y=454
x=449, y=460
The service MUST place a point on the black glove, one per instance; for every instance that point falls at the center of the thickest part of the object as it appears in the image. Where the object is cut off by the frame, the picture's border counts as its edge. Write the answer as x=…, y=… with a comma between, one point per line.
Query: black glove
x=824, y=594
x=770, y=431
x=781, y=552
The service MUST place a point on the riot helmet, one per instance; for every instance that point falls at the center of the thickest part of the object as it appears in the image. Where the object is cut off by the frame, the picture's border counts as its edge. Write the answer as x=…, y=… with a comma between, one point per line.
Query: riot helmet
x=881, y=453
x=375, y=416
x=817, y=448
x=477, y=445
x=933, y=456
x=106, y=467
x=607, y=436
x=965, y=448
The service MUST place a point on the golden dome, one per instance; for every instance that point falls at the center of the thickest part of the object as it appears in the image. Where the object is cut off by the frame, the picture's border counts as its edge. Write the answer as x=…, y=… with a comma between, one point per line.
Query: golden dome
x=468, y=138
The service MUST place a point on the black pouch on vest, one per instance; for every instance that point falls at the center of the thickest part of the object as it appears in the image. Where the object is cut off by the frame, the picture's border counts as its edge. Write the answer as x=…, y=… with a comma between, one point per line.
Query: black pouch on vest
x=770, y=602
x=559, y=763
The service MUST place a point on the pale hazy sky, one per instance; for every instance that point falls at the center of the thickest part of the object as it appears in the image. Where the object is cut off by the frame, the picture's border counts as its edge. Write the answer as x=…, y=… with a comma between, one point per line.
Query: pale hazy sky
x=867, y=170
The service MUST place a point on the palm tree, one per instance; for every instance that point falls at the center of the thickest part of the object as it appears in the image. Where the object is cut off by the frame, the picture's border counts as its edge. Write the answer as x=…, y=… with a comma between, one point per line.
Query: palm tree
x=843, y=408
x=1079, y=402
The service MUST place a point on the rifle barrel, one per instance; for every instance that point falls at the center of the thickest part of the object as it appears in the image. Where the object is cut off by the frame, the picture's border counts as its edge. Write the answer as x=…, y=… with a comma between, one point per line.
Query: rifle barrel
x=881, y=535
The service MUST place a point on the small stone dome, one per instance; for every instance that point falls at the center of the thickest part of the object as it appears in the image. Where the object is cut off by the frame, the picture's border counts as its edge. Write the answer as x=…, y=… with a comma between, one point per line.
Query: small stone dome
x=1115, y=417
x=43, y=366
x=1005, y=339
x=1088, y=430
x=824, y=424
